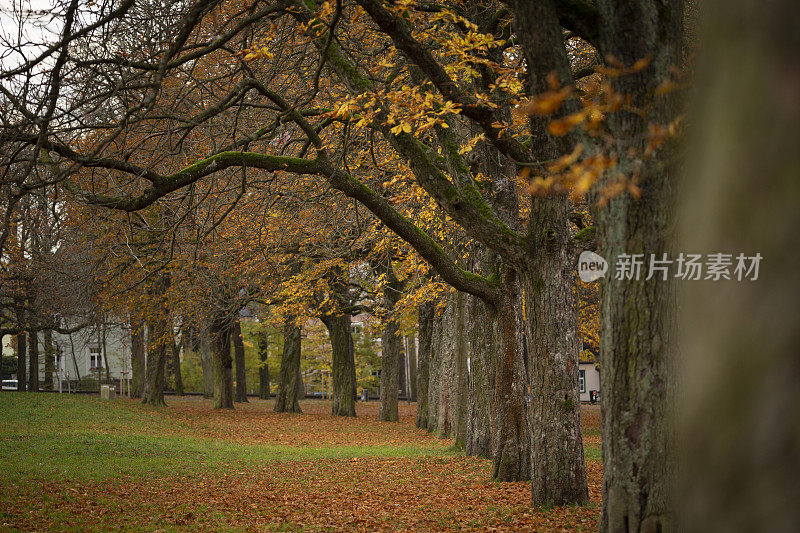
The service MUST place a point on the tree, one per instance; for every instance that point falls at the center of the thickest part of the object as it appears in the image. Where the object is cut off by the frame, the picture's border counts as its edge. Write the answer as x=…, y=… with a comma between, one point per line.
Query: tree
x=740, y=434
x=238, y=350
x=636, y=368
x=290, y=383
x=417, y=103
x=159, y=335
x=262, y=345
x=137, y=356
x=391, y=348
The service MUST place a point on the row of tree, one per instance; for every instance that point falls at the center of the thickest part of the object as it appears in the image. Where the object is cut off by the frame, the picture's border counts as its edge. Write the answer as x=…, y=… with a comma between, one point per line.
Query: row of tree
x=440, y=163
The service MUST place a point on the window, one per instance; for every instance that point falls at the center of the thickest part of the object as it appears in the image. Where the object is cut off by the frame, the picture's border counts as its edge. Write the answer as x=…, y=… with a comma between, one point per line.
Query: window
x=582, y=380
x=95, y=359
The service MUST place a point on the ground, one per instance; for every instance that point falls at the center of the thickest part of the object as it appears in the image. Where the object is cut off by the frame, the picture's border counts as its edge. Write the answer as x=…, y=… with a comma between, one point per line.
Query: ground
x=81, y=463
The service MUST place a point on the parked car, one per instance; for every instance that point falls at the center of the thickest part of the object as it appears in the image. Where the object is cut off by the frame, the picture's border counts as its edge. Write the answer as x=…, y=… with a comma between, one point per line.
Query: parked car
x=9, y=384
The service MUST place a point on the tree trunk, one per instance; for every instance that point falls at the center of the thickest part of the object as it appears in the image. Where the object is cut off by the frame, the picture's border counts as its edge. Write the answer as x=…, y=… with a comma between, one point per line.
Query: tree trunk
x=153, y=393
x=440, y=367
x=290, y=383
x=22, y=345
x=425, y=318
x=512, y=445
x=104, y=351
x=238, y=350
x=223, y=363
x=207, y=362
x=343, y=362
x=391, y=347
x=558, y=471
x=176, y=366
x=460, y=384
x=263, y=367
x=636, y=343
x=741, y=429
x=33, y=360
x=137, y=358
x=482, y=338
x=411, y=356
x=49, y=360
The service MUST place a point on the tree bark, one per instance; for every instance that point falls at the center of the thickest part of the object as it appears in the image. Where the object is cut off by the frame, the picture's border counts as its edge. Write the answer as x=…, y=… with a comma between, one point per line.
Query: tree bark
x=22, y=347
x=343, y=364
x=49, y=360
x=153, y=392
x=391, y=348
x=558, y=470
x=175, y=348
x=636, y=343
x=241, y=374
x=207, y=362
x=512, y=439
x=740, y=435
x=137, y=358
x=263, y=368
x=411, y=355
x=290, y=383
x=33, y=361
x=440, y=370
x=425, y=321
x=223, y=363
x=460, y=384
x=482, y=338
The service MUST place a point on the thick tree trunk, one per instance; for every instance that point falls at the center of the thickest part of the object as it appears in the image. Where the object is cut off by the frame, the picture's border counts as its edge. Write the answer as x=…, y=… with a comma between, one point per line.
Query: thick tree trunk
x=263, y=368
x=49, y=360
x=207, y=363
x=636, y=359
x=153, y=393
x=402, y=378
x=176, y=366
x=741, y=430
x=441, y=370
x=33, y=362
x=460, y=385
x=343, y=364
x=390, y=372
x=558, y=471
x=512, y=444
x=241, y=374
x=290, y=383
x=137, y=358
x=411, y=356
x=636, y=343
x=482, y=338
x=391, y=351
x=223, y=363
x=425, y=322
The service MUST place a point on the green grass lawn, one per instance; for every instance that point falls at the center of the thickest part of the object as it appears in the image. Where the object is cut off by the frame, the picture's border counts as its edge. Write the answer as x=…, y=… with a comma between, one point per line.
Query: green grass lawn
x=77, y=462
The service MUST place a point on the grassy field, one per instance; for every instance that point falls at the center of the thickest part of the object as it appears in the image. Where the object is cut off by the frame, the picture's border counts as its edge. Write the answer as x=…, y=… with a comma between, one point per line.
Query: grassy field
x=80, y=463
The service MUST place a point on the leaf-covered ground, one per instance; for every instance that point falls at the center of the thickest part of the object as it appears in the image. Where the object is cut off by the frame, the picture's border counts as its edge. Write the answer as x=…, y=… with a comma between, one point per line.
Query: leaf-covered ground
x=73, y=463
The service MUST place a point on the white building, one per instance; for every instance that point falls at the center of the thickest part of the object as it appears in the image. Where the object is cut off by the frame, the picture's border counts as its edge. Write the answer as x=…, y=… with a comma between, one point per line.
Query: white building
x=588, y=380
x=84, y=354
